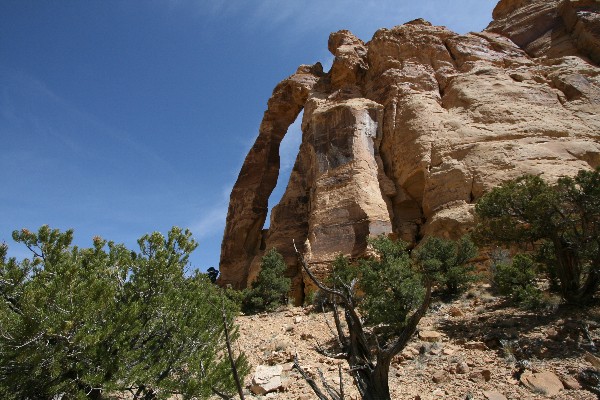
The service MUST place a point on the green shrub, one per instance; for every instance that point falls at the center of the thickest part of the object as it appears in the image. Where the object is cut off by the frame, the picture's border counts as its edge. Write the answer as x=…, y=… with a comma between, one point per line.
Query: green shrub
x=271, y=287
x=560, y=223
x=320, y=300
x=309, y=298
x=518, y=273
x=391, y=284
x=236, y=297
x=529, y=297
x=343, y=272
x=516, y=279
x=79, y=322
x=394, y=296
x=448, y=260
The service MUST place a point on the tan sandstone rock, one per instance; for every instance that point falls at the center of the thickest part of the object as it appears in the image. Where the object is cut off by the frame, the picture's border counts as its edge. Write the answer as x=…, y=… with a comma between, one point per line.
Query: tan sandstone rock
x=430, y=336
x=546, y=382
x=267, y=379
x=492, y=395
x=408, y=130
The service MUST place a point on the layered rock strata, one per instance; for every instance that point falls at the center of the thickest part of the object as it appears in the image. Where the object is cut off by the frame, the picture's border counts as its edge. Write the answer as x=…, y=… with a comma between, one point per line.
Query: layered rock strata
x=407, y=131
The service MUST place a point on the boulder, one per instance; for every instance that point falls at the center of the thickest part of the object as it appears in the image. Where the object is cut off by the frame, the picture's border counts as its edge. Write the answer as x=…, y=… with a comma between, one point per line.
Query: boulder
x=475, y=346
x=480, y=375
x=462, y=368
x=569, y=382
x=544, y=382
x=592, y=359
x=267, y=379
x=492, y=395
x=440, y=376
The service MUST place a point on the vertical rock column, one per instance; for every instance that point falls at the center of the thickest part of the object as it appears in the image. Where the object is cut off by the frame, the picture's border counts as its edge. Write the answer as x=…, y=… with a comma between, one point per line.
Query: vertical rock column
x=347, y=204
x=248, y=205
x=344, y=131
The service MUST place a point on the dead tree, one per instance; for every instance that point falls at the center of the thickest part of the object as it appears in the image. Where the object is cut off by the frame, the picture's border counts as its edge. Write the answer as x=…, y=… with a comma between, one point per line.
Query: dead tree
x=369, y=363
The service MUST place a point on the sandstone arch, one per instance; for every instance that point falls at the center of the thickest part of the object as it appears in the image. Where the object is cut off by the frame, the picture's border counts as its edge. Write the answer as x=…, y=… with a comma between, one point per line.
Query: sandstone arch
x=406, y=131
x=248, y=205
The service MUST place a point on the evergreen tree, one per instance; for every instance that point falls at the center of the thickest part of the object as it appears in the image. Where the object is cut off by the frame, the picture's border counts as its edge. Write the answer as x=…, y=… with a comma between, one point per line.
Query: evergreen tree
x=560, y=223
x=449, y=260
x=78, y=323
x=392, y=290
x=394, y=295
x=271, y=287
x=516, y=279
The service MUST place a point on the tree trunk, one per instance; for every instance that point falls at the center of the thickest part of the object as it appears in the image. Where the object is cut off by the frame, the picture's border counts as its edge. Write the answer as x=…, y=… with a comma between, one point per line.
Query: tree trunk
x=378, y=386
x=586, y=292
x=568, y=272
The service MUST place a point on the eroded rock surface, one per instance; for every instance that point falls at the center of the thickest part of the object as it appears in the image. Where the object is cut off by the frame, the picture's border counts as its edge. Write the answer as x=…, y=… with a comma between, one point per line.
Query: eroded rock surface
x=407, y=131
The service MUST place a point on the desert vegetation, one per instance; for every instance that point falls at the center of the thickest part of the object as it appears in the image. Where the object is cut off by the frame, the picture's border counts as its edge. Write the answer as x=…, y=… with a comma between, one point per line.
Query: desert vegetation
x=556, y=224
x=106, y=321
x=383, y=299
x=271, y=287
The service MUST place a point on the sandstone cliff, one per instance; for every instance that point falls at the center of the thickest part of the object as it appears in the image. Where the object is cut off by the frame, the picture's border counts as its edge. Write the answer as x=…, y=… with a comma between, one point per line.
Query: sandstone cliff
x=407, y=131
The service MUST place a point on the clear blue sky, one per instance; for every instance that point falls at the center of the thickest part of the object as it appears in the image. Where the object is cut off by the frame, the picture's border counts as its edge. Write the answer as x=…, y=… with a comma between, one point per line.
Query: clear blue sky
x=119, y=118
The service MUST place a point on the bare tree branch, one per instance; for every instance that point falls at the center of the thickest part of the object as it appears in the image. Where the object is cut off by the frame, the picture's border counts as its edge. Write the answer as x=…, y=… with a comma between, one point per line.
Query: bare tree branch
x=311, y=382
x=337, y=337
x=221, y=394
x=342, y=340
x=341, y=382
x=234, y=370
x=332, y=392
x=317, y=282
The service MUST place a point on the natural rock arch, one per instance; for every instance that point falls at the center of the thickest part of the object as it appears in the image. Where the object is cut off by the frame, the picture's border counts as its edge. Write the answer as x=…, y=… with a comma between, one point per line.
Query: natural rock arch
x=405, y=132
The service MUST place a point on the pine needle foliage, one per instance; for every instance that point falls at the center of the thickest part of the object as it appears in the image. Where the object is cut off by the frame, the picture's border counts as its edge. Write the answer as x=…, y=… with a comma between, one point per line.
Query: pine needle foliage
x=89, y=322
x=560, y=222
x=271, y=287
x=449, y=261
x=392, y=285
x=516, y=279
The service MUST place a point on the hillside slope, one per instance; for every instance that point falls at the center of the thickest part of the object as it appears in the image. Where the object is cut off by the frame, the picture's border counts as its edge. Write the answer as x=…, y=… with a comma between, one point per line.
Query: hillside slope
x=483, y=347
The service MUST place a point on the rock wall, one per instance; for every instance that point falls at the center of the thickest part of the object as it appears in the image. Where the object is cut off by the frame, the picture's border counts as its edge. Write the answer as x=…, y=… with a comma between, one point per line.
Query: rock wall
x=407, y=131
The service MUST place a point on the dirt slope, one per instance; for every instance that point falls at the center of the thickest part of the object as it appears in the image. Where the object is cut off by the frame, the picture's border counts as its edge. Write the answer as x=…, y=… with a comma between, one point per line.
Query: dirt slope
x=483, y=344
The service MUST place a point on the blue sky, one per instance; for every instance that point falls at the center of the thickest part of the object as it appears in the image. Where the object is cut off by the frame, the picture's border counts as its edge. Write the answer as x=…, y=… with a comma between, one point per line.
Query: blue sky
x=119, y=118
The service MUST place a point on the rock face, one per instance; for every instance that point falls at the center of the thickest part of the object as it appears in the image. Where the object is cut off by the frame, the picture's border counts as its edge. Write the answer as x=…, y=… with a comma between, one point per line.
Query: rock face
x=407, y=131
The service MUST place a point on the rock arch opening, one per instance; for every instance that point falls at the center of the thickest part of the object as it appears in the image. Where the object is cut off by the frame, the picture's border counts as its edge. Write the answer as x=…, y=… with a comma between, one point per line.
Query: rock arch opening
x=288, y=151
x=249, y=201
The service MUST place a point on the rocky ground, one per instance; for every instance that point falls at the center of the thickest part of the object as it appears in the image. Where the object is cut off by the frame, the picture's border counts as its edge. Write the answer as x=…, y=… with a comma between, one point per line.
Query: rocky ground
x=476, y=347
